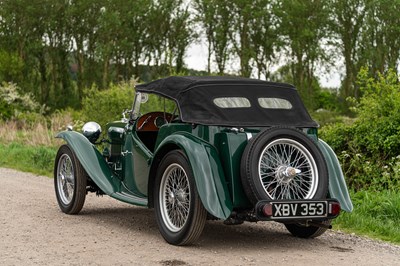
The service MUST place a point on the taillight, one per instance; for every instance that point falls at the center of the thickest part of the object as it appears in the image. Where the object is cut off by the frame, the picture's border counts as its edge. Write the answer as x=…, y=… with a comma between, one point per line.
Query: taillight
x=334, y=208
x=267, y=210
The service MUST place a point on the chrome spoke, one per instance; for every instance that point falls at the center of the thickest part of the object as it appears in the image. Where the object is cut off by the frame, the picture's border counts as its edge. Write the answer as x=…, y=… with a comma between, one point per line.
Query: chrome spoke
x=287, y=170
x=65, y=179
x=175, y=197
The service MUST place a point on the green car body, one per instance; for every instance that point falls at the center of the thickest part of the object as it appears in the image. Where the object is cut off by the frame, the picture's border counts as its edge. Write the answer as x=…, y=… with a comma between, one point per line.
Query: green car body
x=219, y=195
x=127, y=168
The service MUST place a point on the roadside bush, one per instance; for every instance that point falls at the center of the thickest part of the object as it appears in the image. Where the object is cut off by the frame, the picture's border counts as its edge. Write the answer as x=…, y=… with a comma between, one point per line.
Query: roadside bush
x=369, y=148
x=16, y=105
x=103, y=106
x=328, y=100
x=326, y=117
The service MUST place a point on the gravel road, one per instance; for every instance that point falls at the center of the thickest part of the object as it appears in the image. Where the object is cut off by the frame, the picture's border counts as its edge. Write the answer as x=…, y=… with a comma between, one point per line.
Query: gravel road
x=33, y=231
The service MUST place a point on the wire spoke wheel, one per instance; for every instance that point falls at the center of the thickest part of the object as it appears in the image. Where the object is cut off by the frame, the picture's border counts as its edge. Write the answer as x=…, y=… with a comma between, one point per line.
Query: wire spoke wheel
x=69, y=181
x=175, y=197
x=287, y=170
x=65, y=179
x=179, y=212
x=283, y=163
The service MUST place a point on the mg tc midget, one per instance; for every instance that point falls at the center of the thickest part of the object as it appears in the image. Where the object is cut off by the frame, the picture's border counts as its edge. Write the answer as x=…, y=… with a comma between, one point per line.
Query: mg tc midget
x=225, y=148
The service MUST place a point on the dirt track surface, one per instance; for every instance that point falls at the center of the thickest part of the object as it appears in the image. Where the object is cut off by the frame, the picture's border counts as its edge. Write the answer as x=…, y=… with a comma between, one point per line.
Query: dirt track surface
x=33, y=231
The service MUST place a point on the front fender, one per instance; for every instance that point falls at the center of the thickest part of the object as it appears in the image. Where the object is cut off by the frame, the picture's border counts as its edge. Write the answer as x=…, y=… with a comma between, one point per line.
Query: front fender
x=207, y=172
x=337, y=184
x=92, y=161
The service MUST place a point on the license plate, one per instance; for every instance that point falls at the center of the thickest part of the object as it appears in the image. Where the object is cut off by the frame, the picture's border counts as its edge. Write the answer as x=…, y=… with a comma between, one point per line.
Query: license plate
x=309, y=209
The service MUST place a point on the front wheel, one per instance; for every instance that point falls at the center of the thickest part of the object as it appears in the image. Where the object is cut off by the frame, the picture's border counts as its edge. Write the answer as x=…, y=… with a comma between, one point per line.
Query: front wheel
x=179, y=212
x=69, y=181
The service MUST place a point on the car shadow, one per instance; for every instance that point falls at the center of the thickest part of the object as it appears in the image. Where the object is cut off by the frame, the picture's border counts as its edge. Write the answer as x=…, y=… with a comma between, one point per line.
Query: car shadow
x=216, y=236
x=254, y=236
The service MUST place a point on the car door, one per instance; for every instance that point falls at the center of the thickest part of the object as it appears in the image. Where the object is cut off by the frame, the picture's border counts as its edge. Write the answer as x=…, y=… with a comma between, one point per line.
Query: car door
x=136, y=164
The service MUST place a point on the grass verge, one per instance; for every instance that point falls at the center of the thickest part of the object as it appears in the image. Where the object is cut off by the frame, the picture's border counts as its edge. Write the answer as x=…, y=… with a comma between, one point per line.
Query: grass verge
x=35, y=159
x=375, y=214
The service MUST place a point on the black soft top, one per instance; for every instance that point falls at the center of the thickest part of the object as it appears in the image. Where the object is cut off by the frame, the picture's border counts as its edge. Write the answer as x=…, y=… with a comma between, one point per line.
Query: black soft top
x=195, y=97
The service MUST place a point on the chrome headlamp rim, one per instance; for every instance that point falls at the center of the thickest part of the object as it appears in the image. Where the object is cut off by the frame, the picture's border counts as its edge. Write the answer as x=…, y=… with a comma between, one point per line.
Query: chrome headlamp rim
x=91, y=130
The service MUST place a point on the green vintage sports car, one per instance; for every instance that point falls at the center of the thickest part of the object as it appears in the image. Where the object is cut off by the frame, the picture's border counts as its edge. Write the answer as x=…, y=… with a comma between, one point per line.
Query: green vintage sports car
x=225, y=148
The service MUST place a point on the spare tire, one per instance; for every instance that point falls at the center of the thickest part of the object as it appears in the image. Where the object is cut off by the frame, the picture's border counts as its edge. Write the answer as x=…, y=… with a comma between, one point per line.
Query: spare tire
x=283, y=163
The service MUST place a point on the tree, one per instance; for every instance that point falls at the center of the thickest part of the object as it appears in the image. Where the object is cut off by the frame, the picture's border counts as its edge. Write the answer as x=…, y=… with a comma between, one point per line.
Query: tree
x=303, y=31
x=136, y=34
x=347, y=21
x=160, y=16
x=221, y=41
x=180, y=35
x=264, y=36
x=206, y=15
x=381, y=44
x=216, y=17
x=240, y=37
x=82, y=17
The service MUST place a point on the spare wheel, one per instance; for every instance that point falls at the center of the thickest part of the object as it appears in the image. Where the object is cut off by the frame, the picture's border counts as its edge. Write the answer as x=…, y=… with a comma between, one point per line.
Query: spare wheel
x=283, y=163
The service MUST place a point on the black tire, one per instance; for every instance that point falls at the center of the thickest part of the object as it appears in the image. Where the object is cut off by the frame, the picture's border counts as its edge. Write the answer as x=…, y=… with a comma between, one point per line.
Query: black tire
x=307, y=231
x=183, y=222
x=69, y=181
x=283, y=163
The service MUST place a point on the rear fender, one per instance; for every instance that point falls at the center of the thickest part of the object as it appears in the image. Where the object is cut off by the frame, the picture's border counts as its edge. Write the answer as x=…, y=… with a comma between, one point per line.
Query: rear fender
x=92, y=161
x=337, y=184
x=207, y=171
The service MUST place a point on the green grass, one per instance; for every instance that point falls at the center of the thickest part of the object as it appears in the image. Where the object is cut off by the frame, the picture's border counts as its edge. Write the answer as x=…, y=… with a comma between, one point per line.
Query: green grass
x=375, y=214
x=34, y=159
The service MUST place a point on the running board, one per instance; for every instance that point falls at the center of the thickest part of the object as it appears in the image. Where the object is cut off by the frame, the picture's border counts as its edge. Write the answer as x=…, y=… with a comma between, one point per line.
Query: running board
x=128, y=198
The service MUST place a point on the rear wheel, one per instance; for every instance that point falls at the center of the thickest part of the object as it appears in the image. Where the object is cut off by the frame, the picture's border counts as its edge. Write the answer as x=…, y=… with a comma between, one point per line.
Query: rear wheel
x=179, y=212
x=303, y=231
x=69, y=181
x=285, y=164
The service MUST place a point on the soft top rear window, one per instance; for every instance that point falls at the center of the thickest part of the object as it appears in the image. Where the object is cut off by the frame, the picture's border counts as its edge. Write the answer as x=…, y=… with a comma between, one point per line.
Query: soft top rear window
x=232, y=102
x=274, y=103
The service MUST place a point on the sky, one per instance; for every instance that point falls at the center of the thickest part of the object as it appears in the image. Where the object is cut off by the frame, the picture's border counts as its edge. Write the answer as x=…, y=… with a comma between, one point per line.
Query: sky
x=196, y=58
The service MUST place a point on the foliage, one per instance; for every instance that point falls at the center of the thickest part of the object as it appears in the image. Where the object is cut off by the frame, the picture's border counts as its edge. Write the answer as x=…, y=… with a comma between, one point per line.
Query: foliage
x=14, y=104
x=347, y=22
x=327, y=99
x=215, y=18
x=327, y=117
x=51, y=54
x=56, y=49
x=369, y=147
x=329, y=111
x=10, y=66
x=375, y=214
x=304, y=45
x=103, y=106
x=380, y=44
